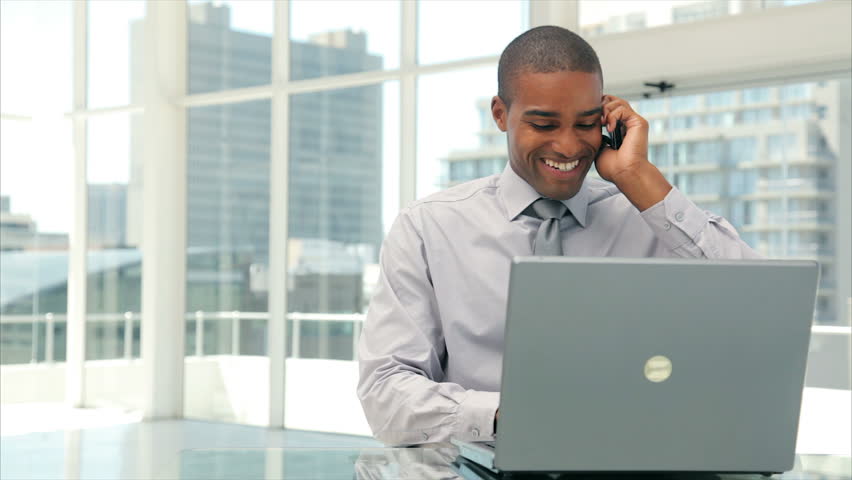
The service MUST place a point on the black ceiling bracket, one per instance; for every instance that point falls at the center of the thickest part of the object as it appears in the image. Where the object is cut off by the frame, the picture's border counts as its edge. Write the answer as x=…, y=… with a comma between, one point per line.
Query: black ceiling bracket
x=662, y=86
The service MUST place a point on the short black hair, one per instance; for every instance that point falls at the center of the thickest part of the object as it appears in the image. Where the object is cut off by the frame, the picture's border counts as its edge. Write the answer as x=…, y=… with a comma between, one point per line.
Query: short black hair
x=544, y=49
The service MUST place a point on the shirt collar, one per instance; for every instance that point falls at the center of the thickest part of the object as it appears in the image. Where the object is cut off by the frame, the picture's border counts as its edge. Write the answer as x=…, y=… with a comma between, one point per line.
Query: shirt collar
x=517, y=195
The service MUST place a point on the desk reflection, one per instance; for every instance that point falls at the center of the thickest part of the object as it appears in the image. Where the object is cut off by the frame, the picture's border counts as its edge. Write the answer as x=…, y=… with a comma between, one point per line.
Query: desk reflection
x=431, y=462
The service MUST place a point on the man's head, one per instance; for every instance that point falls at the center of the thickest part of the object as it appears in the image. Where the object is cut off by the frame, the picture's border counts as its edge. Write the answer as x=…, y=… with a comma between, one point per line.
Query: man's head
x=548, y=101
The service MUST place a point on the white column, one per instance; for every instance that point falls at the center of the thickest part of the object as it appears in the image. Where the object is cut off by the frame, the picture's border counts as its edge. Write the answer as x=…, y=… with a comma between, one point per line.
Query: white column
x=75, y=373
x=164, y=211
x=563, y=13
x=278, y=215
x=408, y=105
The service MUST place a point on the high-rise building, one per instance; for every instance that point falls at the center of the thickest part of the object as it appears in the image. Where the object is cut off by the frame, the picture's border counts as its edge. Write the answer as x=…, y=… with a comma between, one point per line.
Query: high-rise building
x=107, y=217
x=763, y=157
x=702, y=10
x=335, y=160
x=615, y=24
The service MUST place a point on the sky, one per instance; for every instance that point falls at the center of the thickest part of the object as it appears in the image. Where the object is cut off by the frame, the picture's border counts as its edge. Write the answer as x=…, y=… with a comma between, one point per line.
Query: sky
x=36, y=81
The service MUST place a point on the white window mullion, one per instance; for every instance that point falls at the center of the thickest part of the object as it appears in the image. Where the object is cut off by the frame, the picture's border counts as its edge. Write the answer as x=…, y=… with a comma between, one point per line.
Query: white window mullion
x=408, y=104
x=278, y=215
x=75, y=373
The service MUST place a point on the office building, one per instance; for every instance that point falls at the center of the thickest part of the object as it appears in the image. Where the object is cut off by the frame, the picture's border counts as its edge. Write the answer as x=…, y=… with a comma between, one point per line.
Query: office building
x=335, y=189
x=107, y=215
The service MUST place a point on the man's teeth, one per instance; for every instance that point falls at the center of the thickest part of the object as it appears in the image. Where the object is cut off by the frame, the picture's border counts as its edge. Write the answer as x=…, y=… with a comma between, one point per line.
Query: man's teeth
x=565, y=167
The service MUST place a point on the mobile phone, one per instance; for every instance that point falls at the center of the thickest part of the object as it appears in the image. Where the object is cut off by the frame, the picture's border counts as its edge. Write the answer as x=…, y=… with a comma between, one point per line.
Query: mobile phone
x=614, y=139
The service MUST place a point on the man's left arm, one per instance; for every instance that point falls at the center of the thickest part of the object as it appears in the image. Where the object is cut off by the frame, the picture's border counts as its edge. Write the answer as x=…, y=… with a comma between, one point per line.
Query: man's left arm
x=683, y=227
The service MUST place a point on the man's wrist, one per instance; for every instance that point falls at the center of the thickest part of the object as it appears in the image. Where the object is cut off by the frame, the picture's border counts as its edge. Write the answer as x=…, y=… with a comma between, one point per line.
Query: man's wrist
x=644, y=185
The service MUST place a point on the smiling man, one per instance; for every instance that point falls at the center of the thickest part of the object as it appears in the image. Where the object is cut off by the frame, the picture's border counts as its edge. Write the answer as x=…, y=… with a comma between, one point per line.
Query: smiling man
x=431, y=348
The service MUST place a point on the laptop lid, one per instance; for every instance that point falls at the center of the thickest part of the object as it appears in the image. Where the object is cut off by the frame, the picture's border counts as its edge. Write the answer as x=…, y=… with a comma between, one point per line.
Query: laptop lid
x=654, y=365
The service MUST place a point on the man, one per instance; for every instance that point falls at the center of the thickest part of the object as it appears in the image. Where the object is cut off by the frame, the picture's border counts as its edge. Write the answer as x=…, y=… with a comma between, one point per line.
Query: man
x=431, y=349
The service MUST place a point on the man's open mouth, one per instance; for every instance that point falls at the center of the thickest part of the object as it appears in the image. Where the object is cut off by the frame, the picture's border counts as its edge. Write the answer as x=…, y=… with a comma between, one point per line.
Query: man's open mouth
x=562, y=167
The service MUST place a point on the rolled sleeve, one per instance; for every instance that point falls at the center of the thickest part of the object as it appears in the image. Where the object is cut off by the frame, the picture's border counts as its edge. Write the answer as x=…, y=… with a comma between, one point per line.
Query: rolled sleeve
x=688, y=231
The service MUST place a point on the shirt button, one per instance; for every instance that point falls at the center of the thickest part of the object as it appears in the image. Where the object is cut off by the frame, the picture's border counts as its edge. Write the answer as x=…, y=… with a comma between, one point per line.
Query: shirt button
x=475, y=432
x=679, y=216
x=425, y=436
x=667, y=226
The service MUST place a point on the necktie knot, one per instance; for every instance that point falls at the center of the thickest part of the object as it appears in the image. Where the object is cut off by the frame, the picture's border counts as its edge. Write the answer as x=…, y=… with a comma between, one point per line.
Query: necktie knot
x=546, y=208
x=548, y=240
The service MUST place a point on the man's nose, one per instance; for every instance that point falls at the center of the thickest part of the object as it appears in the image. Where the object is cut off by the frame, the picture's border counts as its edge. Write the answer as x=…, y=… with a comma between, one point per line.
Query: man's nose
x=568, y=144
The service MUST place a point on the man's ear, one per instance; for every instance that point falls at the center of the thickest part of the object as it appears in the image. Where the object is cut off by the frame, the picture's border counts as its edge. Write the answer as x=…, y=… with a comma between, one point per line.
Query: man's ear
x=500, y=112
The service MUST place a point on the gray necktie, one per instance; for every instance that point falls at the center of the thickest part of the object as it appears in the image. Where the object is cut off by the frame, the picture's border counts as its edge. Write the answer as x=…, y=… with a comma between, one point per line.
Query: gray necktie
x=548, y=241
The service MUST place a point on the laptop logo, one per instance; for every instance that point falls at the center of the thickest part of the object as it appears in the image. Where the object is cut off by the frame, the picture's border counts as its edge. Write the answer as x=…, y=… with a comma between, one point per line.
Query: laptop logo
x=658, y=369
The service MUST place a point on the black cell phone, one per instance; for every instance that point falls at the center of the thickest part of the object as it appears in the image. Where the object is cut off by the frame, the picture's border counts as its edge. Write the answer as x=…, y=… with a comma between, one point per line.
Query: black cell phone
x=614, y=139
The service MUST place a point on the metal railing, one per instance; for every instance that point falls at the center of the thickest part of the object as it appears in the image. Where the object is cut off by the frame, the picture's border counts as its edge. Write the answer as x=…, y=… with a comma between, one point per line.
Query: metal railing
x=235, y=317
x=295, y=319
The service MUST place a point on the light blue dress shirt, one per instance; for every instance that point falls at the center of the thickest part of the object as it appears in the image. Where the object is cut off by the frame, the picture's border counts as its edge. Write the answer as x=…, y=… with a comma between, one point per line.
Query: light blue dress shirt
x=431, y=349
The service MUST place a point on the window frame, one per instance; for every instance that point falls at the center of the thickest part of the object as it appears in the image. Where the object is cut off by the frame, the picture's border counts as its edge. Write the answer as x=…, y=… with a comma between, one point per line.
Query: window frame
x=756, y=62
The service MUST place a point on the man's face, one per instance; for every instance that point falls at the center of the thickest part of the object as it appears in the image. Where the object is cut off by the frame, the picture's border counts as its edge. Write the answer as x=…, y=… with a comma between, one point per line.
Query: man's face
x=554, y=129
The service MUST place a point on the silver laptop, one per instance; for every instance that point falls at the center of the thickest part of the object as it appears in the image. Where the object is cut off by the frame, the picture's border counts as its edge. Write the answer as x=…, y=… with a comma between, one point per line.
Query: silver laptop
x=650, y=365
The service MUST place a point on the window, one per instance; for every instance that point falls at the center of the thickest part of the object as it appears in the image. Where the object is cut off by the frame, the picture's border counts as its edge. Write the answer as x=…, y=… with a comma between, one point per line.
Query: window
x=35, y=192
x=685, y=104
x=114, y=278
x=34, y=243
x=651, y=106
x=227, y=249
x=796, y=112
x=756, y=116
x=229, y=44
x=780, y=147
x=742, y=149
x=447, y=139
x=799, y=91
x=339, y=37
x=342, y=199
x=28, y=86
x=720, y=99
x=506, y=20
x=755, y=95
x=775, y=194
x=116, y=31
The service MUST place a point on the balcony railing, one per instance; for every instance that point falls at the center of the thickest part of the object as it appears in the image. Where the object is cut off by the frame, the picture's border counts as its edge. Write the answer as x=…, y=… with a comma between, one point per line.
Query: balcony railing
x=327, y=345
x=794, y=184
x=303, y=343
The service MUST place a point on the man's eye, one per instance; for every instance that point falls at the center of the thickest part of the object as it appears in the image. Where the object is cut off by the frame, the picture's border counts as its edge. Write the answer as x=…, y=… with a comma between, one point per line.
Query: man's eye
x=585, y=126
x=542, y=127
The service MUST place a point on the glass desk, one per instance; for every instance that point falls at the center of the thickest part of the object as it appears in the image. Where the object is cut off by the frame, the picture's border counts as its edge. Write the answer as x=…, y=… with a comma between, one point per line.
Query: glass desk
x=423, y=463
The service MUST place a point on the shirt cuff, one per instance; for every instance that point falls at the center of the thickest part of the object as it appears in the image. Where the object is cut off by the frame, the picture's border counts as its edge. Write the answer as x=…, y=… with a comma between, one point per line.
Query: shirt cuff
x=476, y=416
x=675, y=220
